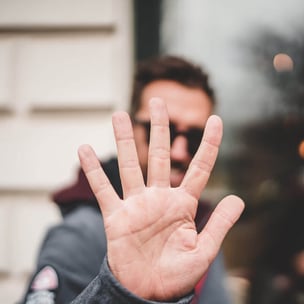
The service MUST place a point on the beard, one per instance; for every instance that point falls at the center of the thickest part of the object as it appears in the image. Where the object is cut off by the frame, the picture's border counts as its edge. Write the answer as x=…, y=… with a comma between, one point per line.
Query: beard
x=178, y=171
x=179, y=166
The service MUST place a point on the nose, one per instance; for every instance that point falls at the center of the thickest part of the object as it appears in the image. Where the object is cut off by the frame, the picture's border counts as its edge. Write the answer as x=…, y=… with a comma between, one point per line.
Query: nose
x=179, y=150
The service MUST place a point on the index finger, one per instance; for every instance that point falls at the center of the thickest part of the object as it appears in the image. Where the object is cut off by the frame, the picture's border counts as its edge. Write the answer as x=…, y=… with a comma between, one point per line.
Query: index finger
x=202, y=164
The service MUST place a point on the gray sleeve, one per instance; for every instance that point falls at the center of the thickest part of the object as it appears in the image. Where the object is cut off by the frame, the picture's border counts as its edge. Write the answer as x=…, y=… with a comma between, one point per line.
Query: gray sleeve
x=74, y=251
x=215, y=289
x=105, y=289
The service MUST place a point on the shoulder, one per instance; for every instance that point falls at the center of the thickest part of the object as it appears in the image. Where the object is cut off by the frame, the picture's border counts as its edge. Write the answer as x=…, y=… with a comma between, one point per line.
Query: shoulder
x=80, y=235
x=83, y=222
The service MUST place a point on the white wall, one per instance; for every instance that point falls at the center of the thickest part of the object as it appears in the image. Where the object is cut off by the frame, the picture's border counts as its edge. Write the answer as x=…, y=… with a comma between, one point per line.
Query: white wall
x=65, y=66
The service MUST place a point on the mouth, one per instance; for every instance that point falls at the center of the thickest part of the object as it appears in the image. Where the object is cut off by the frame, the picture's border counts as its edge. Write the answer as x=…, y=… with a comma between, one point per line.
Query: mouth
x=178, y=167
x=176, y=176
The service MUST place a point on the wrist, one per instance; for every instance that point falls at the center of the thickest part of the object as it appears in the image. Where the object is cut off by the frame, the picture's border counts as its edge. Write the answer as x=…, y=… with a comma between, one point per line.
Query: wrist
x=126, y=296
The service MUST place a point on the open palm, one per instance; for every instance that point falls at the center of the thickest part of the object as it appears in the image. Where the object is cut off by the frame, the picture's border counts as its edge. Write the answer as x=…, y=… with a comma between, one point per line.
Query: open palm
x=154, y=249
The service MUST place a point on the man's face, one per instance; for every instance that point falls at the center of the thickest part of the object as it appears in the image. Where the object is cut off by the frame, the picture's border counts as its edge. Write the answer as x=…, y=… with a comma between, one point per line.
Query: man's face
x=188, y=109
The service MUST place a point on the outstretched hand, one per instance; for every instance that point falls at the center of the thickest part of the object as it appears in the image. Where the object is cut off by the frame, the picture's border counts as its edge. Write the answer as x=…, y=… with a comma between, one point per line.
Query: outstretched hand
x=154, y=249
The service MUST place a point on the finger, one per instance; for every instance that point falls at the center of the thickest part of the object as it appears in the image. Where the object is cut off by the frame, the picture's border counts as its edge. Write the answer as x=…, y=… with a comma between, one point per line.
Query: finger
x=130, y=172
x=159, y=147
x=106, y=196
x=202, y=164
x=222, y=219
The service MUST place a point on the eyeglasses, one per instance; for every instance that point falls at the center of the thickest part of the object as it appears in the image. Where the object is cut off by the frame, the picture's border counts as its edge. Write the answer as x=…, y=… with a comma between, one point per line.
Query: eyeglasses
x=193, y=135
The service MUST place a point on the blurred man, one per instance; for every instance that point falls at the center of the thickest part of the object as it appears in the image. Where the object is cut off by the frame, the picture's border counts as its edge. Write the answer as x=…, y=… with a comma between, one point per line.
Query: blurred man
x=72, y=252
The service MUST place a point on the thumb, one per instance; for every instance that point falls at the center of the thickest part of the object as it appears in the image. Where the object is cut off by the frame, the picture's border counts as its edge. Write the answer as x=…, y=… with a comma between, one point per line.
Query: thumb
x=222, y=219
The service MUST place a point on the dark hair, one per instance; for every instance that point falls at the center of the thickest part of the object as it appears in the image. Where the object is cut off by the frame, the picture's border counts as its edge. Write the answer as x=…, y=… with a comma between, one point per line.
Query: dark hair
x=168, y=68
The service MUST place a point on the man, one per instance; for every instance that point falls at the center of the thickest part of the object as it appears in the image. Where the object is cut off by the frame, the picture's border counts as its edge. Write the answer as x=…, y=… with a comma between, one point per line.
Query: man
x=72, y=253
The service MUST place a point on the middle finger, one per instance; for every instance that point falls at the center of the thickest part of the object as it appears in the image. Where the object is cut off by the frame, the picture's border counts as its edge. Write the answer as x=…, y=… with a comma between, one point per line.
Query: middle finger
x=159, y=147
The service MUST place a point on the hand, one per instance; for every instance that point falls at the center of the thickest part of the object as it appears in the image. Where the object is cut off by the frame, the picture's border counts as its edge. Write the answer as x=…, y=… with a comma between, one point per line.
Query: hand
x=154, y=249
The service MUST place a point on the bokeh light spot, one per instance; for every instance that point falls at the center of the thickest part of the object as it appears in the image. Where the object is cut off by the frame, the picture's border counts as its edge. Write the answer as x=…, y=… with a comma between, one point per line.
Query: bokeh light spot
x=301, y=149
x=283, y=63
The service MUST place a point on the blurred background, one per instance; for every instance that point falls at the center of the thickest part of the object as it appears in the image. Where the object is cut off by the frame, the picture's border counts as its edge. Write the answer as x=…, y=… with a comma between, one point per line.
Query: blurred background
x=66, y=65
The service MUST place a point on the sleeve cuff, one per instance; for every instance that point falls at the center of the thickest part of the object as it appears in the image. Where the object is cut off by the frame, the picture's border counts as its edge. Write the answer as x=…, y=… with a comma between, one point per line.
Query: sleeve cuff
x=106, y=289
x=124, y=296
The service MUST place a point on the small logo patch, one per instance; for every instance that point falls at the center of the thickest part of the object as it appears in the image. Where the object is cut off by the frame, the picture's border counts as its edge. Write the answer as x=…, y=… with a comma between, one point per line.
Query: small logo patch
x=46, y=279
